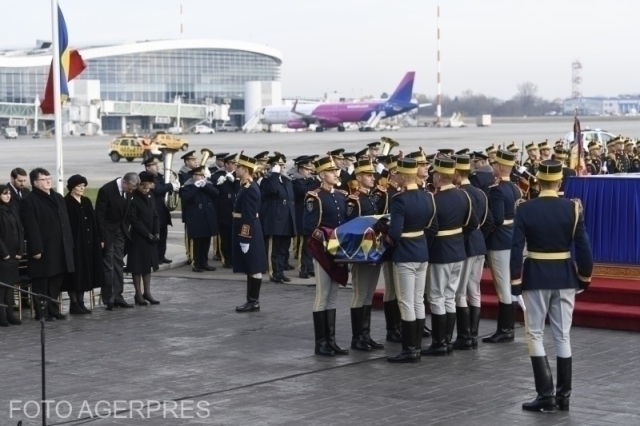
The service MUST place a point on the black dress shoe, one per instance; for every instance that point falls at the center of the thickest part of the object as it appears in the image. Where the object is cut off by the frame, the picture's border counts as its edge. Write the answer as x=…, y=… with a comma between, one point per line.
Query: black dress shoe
x=122, y=304
x=276, y=280
x=288, y=267
x=165, y=260
x=304, y=275
x=195, y=269
x=109, y=307
x=59, y=317
x=285, y=279
x=209, y=268
x=150, y=299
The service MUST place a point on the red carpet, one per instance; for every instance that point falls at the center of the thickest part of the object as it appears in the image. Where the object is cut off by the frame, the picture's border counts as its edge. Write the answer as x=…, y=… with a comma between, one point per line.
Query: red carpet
x=609, y=303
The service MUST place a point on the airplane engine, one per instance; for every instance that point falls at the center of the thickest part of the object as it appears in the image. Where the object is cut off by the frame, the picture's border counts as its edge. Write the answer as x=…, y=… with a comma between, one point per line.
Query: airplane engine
x=297, y=124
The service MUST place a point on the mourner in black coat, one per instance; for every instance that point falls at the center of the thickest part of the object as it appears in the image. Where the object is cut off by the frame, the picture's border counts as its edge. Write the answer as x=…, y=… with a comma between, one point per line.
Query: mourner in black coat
x=17, y=185
x=49, y=240
x=160, y=191
x=11, y=245
x=201, y=222
x=87, y=246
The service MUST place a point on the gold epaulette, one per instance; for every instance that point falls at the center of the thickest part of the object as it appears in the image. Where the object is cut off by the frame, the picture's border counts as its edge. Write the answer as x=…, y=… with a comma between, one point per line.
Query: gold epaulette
x=381, y=188
x=355, y=196
x=314, y=193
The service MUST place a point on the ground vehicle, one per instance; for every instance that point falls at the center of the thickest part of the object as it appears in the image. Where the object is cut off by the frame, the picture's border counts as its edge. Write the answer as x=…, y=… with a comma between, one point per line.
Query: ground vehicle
x=126, y=146
x=589, y=135
x=175, y=130
x=10, y=133
x=170, y=141
x=483, y=120
x=228, y=128
x=203, y=129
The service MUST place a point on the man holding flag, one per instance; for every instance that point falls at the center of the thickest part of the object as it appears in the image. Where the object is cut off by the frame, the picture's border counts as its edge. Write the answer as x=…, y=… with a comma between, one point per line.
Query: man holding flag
x=577, y=150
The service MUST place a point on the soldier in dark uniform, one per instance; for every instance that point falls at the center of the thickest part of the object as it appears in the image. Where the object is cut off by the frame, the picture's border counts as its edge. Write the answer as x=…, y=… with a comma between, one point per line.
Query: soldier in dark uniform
x=545, y=150
x=562, y=155
x=515, y=174
x=491, y=153
x=594, y=161
x=423, y=178
x=228, y=185
x=199, y=196
x=325, y=211
x=364, y=276
x=531, y=164
x=184, y=174
x=413, y=212
x=481, y=175
x=503, y=196
x=278, y=217
x=249, y=255
x=622, y=155
x=468, y=294
x=219, y=162
x=303, y=182
x=446, y=255
x=374, y=148
x=160, y=189
x=344, y=174
x=263, y=164
x=549, y=227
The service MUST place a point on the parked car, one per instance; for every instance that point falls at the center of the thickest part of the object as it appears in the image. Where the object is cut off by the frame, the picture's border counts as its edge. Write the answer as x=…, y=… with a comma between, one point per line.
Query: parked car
x=10, y=133
x=589, y=135
x=201, y=129
x=170, y=141
x=228, y=128
x=175, y=130
x=127, y=146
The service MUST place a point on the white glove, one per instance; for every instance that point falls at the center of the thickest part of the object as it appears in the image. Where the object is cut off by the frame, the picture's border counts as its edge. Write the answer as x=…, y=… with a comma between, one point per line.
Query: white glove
x=244, y=247
x=230, y=177
x=220, y=180
x=520, y=301
x=379, y=168
x=275, y=169
x=350, y=169
x=207, y=173
x=201, y=183
x=176, y=186
x=604, y=167
x=522, y=169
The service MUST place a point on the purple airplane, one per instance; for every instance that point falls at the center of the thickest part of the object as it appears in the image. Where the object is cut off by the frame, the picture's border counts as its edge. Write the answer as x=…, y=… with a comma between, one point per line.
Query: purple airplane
x=330, y=115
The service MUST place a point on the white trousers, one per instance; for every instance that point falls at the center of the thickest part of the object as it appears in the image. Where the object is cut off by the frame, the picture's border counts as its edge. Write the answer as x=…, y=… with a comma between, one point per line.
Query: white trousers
x=468, y=293
x=444, y=279
x=410, y=278
x=559, y=304
x=499, y=264
x=389, y=282
x=365, y=280
x=326, y=290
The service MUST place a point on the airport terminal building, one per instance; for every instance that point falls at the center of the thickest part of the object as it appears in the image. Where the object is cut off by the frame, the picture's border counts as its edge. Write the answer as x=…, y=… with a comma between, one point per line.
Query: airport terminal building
x=198, y=71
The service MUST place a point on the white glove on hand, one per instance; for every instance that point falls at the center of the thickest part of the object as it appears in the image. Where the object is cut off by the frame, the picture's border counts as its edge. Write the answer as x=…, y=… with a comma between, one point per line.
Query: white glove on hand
x=520, y=301
x=207, y=173
x=350, y=169
x=604, y=167
x=220, y=180
x=275, y=169
x=176, y=186
x=522, y=169
x=201, y=183
x=244, y=247
x=379, y=168
x=230, y=177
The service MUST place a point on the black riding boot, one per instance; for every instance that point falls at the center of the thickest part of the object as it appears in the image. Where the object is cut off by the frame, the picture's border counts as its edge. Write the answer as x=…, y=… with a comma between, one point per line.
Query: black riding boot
x=393, y=335
x=366, y=329
x=451, y=326
x=253, y=295
x=438, y=336
x=463, y=322
x=357, y=340
x=8, y=300
x=319, y=319
x=563, y=383
x=419, y=327
x=505, y=320
x=474, y=321
x=408, y=353
x=545, y=401
x=330, y=333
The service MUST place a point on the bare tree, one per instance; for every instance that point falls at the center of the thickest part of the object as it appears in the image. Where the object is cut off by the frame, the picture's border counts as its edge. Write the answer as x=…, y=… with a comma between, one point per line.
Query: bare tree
x=384, y=95
x=527, y=93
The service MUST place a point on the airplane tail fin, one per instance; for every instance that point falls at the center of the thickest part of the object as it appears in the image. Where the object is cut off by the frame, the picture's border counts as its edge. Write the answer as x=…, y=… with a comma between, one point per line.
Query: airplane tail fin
x=404, y=91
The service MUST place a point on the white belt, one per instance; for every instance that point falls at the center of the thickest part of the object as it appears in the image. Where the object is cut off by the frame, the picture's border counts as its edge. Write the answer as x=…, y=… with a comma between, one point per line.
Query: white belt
x=449, y=232
x=508, y=222
x=412, y=234
x=549, y=256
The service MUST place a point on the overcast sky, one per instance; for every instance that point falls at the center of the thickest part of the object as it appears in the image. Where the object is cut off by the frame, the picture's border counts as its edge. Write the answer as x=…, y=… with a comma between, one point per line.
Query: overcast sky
x=362, y=47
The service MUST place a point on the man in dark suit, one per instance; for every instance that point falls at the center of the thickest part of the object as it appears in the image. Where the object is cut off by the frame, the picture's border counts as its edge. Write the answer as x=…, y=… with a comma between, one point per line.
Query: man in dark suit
x=112, y=208
x=17, y=185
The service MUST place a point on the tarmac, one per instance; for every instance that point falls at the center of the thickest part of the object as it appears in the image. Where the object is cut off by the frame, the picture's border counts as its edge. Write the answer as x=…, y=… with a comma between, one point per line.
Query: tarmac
x=193, y=360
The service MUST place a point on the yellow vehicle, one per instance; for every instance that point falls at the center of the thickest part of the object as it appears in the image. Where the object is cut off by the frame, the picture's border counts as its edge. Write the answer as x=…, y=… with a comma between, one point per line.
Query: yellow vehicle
x=128, y=147
x=170, y=141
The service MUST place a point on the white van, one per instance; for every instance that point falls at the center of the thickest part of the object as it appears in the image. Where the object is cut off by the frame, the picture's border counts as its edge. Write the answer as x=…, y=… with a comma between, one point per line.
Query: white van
x=201, y=129
x=10, y=133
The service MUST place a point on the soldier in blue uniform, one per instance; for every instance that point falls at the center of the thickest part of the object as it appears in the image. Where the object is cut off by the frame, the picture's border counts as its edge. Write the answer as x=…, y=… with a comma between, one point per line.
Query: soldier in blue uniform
x=503, y=196
x=324, y=211
x=594, y=160
x=364, y=276
x=468, y=294
x=228, y=185
x=491, y=153
x=277, y=215
x=249, y=255
x=198, y=197
x=481, y=175
x=184, y=174
x=446, y=255
x=413, y=211
x=549, y=226
x=562, y=155
x=303, y=182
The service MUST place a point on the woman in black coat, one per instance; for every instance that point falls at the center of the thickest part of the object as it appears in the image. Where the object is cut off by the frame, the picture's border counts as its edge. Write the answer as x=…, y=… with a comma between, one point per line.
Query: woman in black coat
x=11, y=244
x=87, y=246
x=145, y=234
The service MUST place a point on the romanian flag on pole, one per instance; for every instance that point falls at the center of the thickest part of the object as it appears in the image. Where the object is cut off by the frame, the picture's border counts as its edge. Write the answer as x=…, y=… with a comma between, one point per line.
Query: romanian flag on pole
x=71, y=65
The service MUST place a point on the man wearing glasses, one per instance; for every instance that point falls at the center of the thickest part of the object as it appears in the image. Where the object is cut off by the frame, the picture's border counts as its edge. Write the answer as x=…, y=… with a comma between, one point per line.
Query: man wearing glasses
x=112, y=208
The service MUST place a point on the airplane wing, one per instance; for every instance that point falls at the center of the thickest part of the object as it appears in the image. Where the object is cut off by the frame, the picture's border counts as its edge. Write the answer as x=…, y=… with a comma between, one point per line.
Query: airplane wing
x=424, y=105
x=301, y=114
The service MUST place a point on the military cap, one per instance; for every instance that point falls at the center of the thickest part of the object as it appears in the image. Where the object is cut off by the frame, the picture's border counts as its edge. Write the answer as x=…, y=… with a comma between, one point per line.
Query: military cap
x=593, y=145
x=362, y=153
x=276, y=159
x=145, y=176
x=231, y=158
x=550, y=170
x=351, y=156
x=246, y=161
x=464, y=151
x=560, y=152
x=612, y=142
x=531, y=147
x=430, y=157
x=407, y=166
x=617, y=139
x=189, y=155
x=150, y=160
x=363, y=166
x=477, y=155
x=324, y=164
x=544, y=145
x=559, y=142
x=463, y=162
x=337, y=153
x=492, y=149
x=374, y=145
x=221, y=155
x=300, y=158
x=305, y=164
x=513, y=147
x=629, y=142
x=446, y=166
x=505, y=158
x=446, y=151
x=263, y=156
x=418, y=156
x=393, y=162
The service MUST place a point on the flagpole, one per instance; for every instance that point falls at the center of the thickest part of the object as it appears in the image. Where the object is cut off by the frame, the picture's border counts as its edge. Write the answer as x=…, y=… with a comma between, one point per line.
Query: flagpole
x=57, y=106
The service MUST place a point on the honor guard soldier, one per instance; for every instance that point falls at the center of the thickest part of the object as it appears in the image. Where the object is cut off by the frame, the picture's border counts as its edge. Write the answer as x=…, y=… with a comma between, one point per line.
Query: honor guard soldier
x=160, y=189
x=423, y=178
x=249, y=255
x=184, y=174
x=515, y=175
x=545, y=150
x=263, y=163
x=503, y=196
x=413, y=211
x=454, y=211
x=219, y=162
x=226, y=182
x=374, y=148
x=468, y=294
x=481, y=175
x=491, y=153
x=622, y=157
x=562, y=155
x=364, y=276
x=303, y=182
x=325, y=210
x=549, y=226
x=278, y=217
x=198, y=197
x=343, y=175
x=594, y=161
x=531, y=164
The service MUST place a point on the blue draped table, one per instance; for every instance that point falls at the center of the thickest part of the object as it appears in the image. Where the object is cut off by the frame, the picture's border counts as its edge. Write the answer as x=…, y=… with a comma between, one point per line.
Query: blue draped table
x=611, y=214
